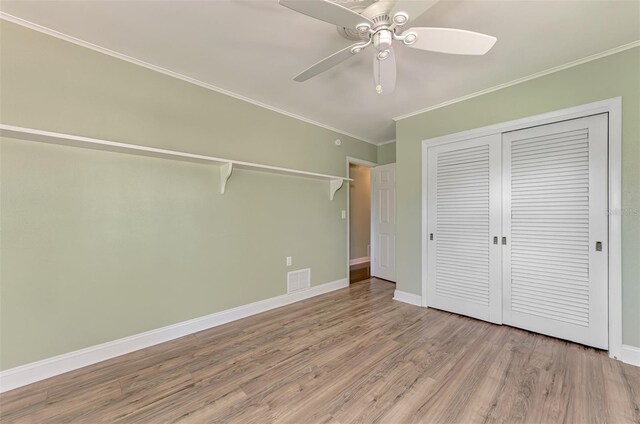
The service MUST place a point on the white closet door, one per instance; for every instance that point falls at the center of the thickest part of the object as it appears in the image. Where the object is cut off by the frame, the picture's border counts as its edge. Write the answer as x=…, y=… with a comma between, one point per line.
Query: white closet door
x=555, y=212
x=464, y=206
x=383, y=222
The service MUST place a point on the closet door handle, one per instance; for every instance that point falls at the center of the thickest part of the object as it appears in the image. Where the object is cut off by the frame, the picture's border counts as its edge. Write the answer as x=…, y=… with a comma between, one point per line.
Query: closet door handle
x=430, y=236
x=495, y=239
x=504, y=241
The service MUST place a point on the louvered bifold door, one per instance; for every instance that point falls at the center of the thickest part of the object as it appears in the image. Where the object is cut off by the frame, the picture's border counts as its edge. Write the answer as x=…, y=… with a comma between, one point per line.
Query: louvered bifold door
x=555, y=224
x=463, y=221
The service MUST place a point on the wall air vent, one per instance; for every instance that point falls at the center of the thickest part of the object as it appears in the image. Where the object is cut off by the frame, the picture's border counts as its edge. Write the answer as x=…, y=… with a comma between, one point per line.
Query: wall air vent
x=298, y=280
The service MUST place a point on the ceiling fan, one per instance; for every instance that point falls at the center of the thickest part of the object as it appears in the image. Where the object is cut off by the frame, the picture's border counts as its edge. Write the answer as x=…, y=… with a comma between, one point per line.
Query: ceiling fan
x=380, y=23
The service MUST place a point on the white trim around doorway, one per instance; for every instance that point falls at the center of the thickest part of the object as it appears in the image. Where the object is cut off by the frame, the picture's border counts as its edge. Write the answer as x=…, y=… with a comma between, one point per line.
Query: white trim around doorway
x=361, y=162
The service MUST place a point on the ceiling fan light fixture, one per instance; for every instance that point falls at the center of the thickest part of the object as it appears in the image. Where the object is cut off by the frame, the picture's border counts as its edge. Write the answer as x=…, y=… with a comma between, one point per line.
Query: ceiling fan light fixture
x=357, y=48
x=364, y=27
x=382, y=55
x=410, y=38
x=400, y=18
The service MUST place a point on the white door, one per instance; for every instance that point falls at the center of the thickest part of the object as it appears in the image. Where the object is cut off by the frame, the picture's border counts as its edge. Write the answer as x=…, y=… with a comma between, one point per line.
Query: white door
x=463, y=228
x=383, y=222
x=555, y=224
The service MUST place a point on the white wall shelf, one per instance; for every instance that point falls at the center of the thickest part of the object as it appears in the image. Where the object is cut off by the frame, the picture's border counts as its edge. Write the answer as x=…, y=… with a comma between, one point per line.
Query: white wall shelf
x=226, y=165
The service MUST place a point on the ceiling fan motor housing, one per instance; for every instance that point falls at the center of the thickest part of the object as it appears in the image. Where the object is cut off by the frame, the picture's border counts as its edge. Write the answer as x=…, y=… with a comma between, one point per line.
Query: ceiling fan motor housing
x=382, y=39
x=376, y=11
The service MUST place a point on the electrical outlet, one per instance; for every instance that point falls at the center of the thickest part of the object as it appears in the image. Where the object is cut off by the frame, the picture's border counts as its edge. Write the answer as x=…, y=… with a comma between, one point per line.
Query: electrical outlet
x=289, y=261
x=344, y=214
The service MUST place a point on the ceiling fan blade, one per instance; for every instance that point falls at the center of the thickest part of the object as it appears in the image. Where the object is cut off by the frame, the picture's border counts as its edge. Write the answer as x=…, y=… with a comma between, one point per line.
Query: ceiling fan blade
x=327, y=11
x=384, y=73
x=452, y=41
x=330, y=62
x=413, y=8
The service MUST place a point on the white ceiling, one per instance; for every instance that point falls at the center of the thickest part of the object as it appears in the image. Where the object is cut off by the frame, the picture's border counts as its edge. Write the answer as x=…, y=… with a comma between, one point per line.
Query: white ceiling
x=255, y=48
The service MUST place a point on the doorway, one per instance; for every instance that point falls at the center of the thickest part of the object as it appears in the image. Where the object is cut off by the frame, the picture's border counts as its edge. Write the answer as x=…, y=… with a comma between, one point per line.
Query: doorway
x=371, y=220
x=359, y=222
x=358, y=216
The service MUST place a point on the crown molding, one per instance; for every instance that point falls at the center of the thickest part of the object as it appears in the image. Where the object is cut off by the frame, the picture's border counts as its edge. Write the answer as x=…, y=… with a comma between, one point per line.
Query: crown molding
x=77, y=41
x=524, y=79
x=387, y=142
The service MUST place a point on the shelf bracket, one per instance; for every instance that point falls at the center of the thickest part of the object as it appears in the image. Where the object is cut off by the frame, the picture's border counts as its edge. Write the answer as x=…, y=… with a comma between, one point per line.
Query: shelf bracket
x=225, y=173
x=334, y=185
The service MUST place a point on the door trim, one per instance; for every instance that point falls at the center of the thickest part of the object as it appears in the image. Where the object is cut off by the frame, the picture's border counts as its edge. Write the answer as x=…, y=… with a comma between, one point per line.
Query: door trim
x=361, y=162
x=614, y=108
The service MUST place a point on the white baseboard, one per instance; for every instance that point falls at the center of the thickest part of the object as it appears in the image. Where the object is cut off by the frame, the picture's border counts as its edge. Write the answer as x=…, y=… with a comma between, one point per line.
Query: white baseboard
x=410, y=298
x=40, y=370
x=357, y=261
x=630, y=355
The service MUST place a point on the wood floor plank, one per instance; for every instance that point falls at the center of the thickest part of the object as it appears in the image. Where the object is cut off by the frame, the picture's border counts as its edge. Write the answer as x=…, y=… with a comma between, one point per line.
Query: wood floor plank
x=350, y=356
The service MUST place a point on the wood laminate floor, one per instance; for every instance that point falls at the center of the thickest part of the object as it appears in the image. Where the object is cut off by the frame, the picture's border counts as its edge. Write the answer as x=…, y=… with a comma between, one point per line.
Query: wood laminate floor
x=353, y=355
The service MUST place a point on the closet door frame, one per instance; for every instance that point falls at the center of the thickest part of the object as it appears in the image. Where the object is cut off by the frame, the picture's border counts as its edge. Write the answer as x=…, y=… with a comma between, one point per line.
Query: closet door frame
x=613, y=107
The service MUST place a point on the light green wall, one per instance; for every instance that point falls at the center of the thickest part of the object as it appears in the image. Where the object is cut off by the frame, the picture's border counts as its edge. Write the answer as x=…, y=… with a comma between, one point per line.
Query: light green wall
x=612, y=76
x=99, y=245
x=359, y=210
x=387, y=153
